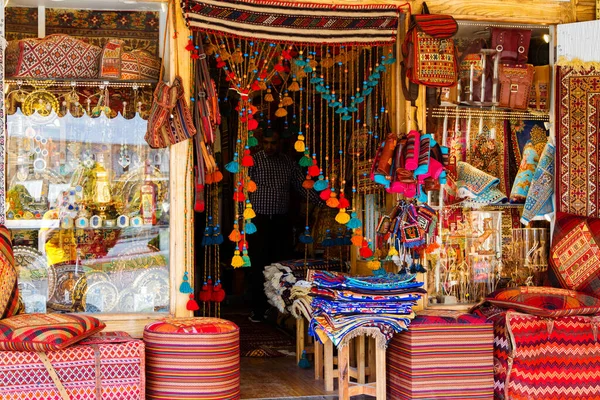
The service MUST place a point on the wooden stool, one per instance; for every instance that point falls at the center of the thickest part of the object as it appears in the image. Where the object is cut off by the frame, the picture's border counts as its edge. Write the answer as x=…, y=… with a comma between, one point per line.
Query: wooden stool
x=375, y=369
x=301, y=345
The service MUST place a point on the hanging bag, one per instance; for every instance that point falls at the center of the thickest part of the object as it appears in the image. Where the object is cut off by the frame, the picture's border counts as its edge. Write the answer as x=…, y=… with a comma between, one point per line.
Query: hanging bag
x=512, y=44
x=170, y=120
x=515, y=85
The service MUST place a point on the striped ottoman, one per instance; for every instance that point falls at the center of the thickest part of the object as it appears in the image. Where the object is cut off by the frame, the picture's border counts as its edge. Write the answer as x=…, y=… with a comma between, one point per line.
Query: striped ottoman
x=443, y=355
x=192, y=358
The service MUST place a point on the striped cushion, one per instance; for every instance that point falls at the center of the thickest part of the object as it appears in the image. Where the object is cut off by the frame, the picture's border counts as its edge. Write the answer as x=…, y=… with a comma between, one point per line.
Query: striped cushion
x=46, y=332
x=9, y=291
x=443, y=355
x=192, y=358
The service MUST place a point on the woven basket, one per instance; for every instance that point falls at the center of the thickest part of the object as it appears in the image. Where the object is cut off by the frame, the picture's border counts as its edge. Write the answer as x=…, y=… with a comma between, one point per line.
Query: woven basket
x=192, y=358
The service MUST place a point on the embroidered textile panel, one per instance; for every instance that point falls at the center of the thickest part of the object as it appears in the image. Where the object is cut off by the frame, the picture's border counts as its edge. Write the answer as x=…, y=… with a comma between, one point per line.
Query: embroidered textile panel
x=578, y=139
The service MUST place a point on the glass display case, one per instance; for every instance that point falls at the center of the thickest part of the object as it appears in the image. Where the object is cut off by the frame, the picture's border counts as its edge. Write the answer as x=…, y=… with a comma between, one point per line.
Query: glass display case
x=87, y=201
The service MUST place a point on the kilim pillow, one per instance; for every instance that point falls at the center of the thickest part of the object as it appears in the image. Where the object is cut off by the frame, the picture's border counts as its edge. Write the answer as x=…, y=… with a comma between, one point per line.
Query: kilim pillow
x=110, y=61
x=46, y=332
x=9, y=291
x=545, y=301
x=575, y=252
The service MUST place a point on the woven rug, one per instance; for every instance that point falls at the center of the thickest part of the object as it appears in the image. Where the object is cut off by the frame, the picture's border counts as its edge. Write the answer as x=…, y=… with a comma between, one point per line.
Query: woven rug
x=262, y=339
x=577, y=141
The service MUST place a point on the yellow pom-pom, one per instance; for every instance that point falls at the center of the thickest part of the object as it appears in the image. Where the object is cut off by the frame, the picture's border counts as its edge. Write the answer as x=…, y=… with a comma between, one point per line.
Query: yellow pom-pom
x=374, y=264
x=251, y=186
x=342, y=217
x=269, y=96
x=392, y=252
x=281, y=112
x=299, y=145
x=249, y=212
x=237, y=260
x=287, y=101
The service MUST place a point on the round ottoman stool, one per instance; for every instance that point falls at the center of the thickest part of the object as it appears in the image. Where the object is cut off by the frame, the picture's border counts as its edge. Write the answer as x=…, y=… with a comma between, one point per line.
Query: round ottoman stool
x=192, y=358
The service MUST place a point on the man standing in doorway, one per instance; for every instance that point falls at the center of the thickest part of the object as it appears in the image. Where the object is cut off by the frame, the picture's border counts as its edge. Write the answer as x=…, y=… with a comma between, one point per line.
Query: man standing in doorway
x=275, y=175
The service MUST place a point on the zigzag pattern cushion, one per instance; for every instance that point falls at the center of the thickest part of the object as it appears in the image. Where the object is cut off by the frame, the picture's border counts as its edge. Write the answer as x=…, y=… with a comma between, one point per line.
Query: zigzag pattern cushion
x=192, y=358
x=545, y=301
x=551, y=359
x=55, y=56
x=46, y=332
x=9, y=291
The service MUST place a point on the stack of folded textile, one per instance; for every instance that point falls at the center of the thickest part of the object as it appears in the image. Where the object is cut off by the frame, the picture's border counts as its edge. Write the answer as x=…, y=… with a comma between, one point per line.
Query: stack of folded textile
x=343, y=306
x=279, y=281
x=300, y=295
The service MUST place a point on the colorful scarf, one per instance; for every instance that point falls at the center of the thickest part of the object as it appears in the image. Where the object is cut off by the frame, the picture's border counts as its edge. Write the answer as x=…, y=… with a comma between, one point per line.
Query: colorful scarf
x=539, y=199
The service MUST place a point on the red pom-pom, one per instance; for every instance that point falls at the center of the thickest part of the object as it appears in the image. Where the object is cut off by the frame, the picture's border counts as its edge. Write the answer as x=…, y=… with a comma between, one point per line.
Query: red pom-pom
x=276, y=80
x=192, y=305
x=205, y=293
x=252, y=124
x=343, y=203
x=314, y=170
x=279, y=68
x=247, y=160
x=190, y=45
x=218, y=294
x=365, y=252
x=255, y=86
x=195, y=55
x=325, y=194
x=239, y=196
x=221, y=64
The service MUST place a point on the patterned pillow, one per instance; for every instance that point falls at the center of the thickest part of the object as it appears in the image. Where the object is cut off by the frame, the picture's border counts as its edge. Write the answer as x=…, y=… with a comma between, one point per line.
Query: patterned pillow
x=9, y=291
x=545, y=301
x=110, y=61
x=575, y=253
x=46, y=332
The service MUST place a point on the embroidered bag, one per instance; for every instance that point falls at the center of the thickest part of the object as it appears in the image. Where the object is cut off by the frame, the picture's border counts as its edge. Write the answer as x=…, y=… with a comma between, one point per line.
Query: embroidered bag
x=478, y=74
x=515, y=85
x=429, y=55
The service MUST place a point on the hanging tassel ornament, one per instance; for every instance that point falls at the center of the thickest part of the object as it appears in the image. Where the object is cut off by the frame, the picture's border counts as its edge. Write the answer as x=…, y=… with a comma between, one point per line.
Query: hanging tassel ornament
x=357, y=239
x=190, y=44
x=354, y=222
x=206, y=239
x=237, y=260
x=218, y=294
x=343, y=202
x=304, y=363
x=246, y=258
x=247, y=160
x=281, y=112
x=306, y=237
x=252, y=141
x=205, y=292
x=251, y=186
x=321, y=184
x=342, y=217
x=365, y=251
x=299, y=145
x=306, y=161
x=374, y=264
x=328, y=241
x=269, y=96
x=287, y=100
x=217, y=235
x=233, y=166
x=235, y=236
x=217, y=176
x=249, y=212
x=249, y=227
x=332, y=201
x=192, y=305
x=313, y=168
x=308, y=183
x=185, y=285
x=294, y=86
x=325, y=194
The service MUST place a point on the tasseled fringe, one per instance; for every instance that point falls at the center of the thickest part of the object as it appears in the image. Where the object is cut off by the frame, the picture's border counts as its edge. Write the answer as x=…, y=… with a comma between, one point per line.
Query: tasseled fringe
x=294, y=86
x=372, y=332
x=269, y=96
x=577, y=63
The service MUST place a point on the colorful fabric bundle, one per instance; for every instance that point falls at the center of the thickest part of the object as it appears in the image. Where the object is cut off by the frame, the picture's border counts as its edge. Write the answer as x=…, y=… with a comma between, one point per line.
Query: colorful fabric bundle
x=343, y=306
x=525, y=174
x=538, y=204
x=444, y=355
x=478, y=187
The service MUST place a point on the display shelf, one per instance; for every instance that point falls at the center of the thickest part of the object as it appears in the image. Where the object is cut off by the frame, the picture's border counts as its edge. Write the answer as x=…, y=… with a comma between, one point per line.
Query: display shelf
x=474, y=111
x=32, y=223
x=79, y=82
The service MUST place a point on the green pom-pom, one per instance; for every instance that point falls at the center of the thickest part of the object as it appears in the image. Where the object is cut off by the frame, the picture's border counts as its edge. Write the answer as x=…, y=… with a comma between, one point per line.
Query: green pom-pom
x=252, y=141
x=305, y=161
x=247, y=262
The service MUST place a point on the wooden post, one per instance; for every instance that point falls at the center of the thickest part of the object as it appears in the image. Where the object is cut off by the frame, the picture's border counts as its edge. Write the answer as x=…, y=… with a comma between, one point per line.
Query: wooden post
x=360, y=359
x=380, y=384
x=372, y=361
x=328, y=365
x=318, y=359
x=299, y=338
x=343, y=372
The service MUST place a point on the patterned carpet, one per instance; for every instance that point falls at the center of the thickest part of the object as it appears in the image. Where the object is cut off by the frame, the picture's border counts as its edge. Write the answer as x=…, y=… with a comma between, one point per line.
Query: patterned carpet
x=262, y=339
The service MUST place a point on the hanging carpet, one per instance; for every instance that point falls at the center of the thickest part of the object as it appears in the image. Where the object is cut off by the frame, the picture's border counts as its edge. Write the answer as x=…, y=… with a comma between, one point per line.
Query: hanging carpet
x=578, y=138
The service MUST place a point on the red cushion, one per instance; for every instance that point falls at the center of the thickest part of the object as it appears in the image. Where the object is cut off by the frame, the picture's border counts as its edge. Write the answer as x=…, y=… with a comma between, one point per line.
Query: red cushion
x=9, y=291
x=545, y=301
x=46, y=332
x=192, y=326
x=575, y=253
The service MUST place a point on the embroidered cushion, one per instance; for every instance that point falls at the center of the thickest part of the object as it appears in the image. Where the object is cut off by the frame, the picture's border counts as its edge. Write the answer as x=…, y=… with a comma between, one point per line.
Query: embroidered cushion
x=55, y=56
x=9, y=291
x=545, y=301
x=46, y=332
x=575, y=253
x=139, y=64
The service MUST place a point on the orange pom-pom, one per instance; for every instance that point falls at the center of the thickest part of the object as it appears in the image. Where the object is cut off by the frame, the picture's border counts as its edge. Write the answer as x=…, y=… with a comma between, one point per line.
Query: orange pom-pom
x=217, y=176
x=333, y=202
x=431, y=247
x=251, y=186
x=308, y=183
x=357, y=240
x=235, y=236
x=209, y=179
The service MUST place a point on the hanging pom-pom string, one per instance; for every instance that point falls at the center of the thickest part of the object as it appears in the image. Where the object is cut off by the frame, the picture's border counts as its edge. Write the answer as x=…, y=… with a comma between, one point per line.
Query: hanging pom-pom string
x=185, y=285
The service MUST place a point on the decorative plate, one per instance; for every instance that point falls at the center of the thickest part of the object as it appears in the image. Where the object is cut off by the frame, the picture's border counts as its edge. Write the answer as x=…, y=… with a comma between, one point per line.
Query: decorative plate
x=41, y=101
x=126, y=301
x=33, y=268
x=106, y=291
x=89, y=279
x=156, y=281
x=133, y=259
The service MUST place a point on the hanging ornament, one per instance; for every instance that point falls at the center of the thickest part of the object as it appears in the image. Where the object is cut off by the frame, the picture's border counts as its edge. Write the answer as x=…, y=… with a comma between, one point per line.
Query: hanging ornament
x=249, y=212
x=357, y=238
x=343, y=201
x=308, y=183
x=332, y=201
x=325, y=194
x=354, y=222
x=192, y=305
x=246, y=258
x=252, y=141
x=235, y=236
x=281, y=112
x=365, y=251
x=251, y=186
x=206, y=239
x=374, y=264
x=185, y=285
x=217, y=235
x=342, y=217
x=247, y=160
x=269, y=96
x=306, y=237
x=233, y=166
x=206, y=291
x=306, y=161
x=299, y=145
x=249, y=227
x=321, y=184
x=237, y=260
x=294, y=86
x=328, y=241
x=218, y=294
x=313, y=169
